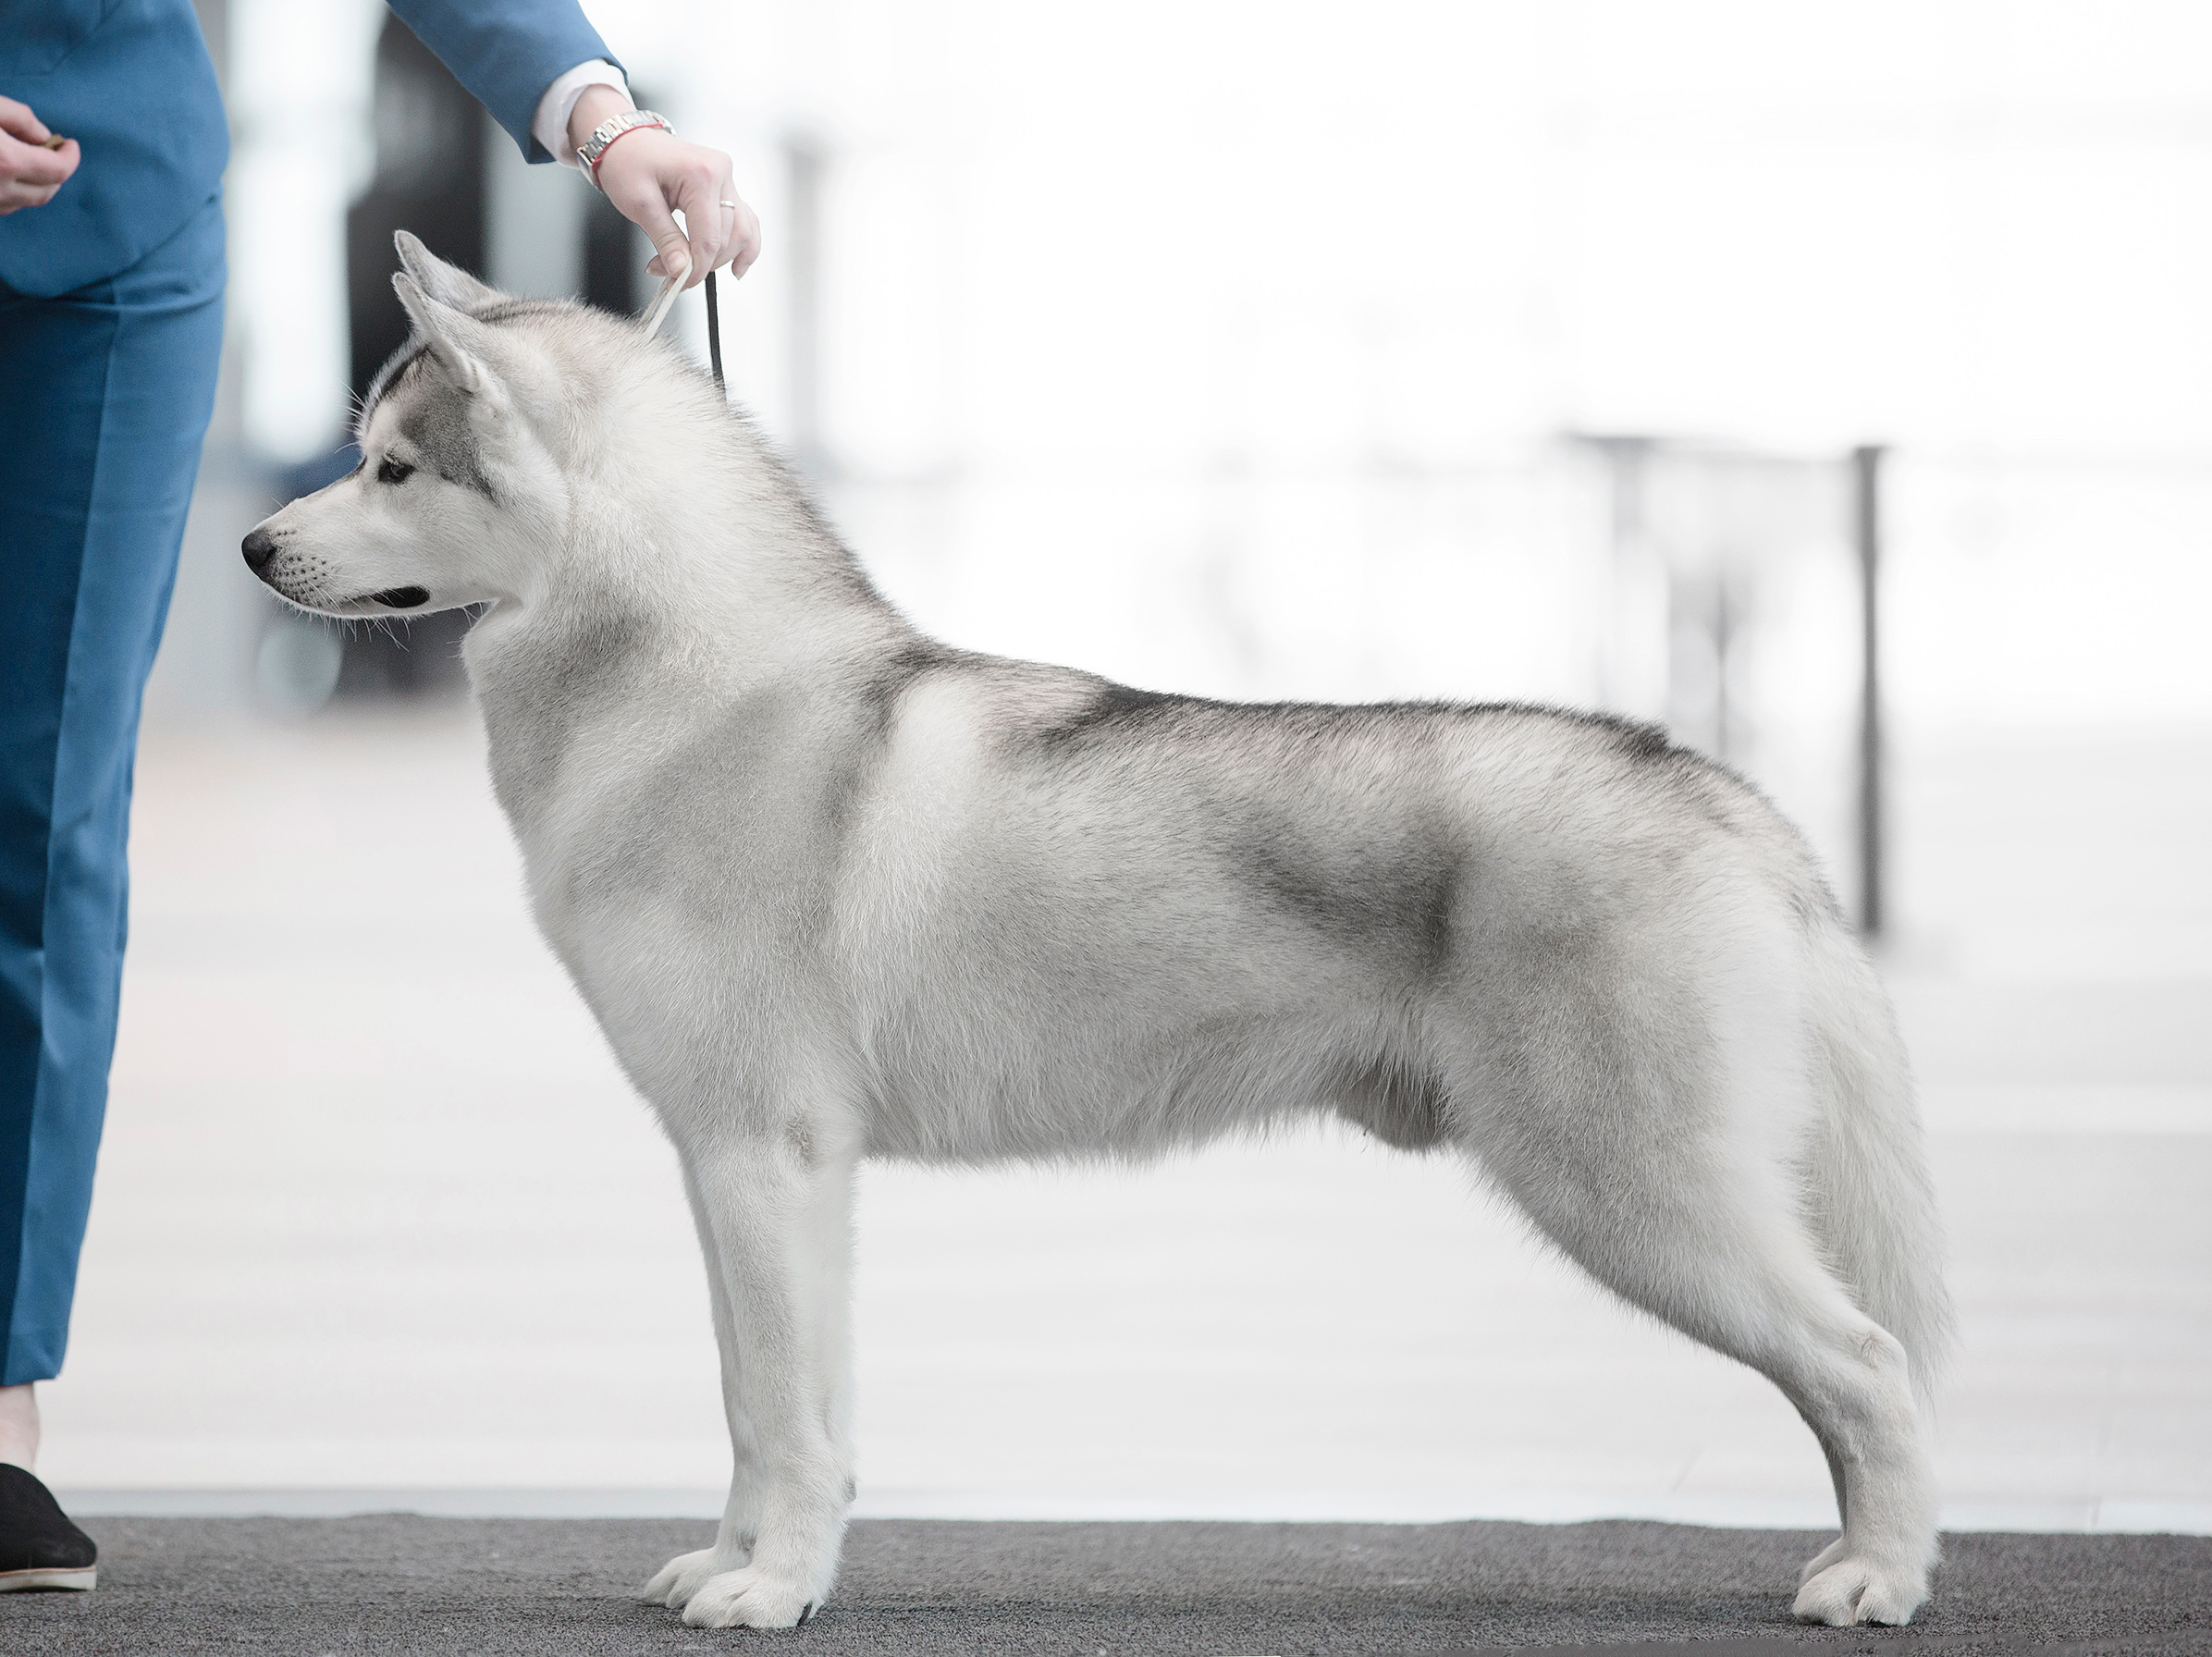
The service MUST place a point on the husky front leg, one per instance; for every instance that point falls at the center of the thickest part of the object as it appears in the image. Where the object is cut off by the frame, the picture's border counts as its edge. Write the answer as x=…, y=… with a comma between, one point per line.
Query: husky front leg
x=774, y=1218
x=676, y=1581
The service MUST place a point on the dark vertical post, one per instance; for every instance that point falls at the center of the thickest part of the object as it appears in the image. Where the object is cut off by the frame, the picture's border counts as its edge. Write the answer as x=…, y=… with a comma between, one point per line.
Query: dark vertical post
x=1628, y=471
x=429, y=179
x=807, y=163
x=1866, y=508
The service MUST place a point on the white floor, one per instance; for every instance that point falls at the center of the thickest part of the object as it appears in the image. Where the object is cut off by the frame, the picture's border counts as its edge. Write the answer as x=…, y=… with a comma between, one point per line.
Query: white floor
x=379, y=1225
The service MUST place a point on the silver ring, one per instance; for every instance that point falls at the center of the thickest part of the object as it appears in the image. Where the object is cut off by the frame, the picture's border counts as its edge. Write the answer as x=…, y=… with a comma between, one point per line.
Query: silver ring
x=726, y=204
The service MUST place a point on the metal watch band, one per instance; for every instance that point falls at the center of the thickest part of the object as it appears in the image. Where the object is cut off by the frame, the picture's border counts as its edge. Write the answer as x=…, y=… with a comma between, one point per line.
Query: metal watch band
x=612, y=127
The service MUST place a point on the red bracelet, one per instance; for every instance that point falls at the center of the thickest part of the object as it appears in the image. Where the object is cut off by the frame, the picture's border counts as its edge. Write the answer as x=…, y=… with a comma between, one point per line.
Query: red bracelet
x=630, y=120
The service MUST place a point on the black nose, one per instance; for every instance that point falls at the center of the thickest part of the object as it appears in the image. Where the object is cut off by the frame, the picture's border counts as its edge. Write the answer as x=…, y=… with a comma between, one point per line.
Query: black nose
x=259, y=546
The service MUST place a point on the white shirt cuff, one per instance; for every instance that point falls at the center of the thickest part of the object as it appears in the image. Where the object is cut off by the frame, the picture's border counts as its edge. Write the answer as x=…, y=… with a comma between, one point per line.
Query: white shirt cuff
x=550, y=125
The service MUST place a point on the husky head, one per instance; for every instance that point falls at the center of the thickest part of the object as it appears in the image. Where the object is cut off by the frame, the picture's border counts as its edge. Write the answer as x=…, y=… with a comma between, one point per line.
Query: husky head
x=459, y=488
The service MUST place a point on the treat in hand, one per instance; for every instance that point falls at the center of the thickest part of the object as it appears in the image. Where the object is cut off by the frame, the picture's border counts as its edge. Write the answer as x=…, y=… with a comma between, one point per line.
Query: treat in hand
x=34, y=163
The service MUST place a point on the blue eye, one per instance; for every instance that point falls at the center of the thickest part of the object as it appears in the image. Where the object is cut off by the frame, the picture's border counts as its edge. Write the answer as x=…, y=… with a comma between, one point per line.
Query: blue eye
x=394, y=471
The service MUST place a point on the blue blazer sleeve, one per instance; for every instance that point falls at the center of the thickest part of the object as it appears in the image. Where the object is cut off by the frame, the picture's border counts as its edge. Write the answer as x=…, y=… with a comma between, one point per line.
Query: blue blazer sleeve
x=507, y=51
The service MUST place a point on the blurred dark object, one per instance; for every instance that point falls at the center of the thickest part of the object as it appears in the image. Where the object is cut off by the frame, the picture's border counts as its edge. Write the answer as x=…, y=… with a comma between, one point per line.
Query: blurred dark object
x=430, y=179
x=806, y=161
x=614, y=255
x=430, y=167
x=1866, y=514
x=1704, y=533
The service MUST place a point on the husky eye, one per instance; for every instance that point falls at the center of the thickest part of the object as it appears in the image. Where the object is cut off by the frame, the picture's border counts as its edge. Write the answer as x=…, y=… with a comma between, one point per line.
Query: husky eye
x=394, y=471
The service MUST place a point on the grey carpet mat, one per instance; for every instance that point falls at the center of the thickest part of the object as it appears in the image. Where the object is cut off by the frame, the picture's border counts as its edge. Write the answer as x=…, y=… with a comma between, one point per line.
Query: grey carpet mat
x=547, y=1588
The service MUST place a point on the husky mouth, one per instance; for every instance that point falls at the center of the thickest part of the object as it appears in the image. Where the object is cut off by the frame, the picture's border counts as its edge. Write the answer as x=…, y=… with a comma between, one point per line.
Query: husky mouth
x=400, y=599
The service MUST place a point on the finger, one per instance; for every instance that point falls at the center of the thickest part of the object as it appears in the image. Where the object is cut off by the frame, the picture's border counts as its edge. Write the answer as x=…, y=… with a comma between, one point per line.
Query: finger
x=703, y=212
x=33, y=164
x=17, y=118
x=639, y=200
x=744, y=240
x=26, y=193
x=741, y=233
x=729, y=215
x=15, y=194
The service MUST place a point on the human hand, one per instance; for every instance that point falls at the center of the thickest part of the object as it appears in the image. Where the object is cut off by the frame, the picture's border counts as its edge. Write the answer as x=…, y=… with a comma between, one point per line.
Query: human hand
x=649, y=175
x=33, y=166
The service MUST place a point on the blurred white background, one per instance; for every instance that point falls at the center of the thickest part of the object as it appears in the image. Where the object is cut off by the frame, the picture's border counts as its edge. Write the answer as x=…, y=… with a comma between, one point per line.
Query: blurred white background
x=1252, y=351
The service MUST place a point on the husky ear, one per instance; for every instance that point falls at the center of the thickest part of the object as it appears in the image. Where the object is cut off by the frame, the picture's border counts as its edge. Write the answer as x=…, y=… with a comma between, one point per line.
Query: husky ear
x=463, y=346
x=448, y=284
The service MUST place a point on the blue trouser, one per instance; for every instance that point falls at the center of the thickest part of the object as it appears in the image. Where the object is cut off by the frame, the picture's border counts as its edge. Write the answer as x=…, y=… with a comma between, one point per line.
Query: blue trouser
x=104, y=395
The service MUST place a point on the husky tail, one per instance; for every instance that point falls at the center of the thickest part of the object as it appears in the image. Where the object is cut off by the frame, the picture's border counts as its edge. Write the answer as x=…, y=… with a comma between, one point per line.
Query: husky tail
x=1870, y=1200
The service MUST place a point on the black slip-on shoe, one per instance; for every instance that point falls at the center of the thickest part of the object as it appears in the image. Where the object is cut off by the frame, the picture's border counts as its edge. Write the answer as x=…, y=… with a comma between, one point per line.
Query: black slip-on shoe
x=39, y=1547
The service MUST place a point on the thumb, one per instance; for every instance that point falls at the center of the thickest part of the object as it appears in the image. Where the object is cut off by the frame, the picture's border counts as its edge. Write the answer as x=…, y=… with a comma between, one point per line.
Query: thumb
x=650, y=213
x=17, y=118
x=674, y=258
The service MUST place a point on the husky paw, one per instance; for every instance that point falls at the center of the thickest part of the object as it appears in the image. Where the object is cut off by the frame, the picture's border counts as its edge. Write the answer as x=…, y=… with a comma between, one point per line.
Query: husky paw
x=682, y=1576
x=750, y=1598
x=1854, y=1590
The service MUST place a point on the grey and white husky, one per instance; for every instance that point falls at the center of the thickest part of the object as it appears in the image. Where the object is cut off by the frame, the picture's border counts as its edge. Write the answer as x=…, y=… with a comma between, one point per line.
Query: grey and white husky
x=834, y=890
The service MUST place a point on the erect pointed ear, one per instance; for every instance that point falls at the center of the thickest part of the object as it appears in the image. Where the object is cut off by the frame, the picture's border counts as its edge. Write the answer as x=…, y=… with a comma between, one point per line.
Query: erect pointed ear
x=464, y=346
x=447, y=284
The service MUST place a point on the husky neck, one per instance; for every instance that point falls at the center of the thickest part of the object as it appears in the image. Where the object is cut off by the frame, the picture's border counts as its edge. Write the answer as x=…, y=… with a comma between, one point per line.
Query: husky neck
x=693, y=575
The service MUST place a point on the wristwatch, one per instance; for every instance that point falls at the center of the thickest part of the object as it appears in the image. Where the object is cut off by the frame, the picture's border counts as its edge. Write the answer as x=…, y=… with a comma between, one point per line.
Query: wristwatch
x=612, y=127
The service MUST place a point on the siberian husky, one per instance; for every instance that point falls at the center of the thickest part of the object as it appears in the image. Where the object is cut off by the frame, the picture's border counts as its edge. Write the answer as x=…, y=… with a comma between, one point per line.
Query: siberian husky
x=834, y=890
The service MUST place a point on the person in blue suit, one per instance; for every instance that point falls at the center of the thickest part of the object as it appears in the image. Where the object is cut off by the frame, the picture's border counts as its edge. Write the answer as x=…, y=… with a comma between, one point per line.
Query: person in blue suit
x=113, y=143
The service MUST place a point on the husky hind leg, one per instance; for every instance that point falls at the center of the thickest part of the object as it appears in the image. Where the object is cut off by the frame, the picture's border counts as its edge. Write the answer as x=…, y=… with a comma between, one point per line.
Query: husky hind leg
x=1870, y=1201
x=1638, y=1164
x=1872, y=1204
x=1748, y=1286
